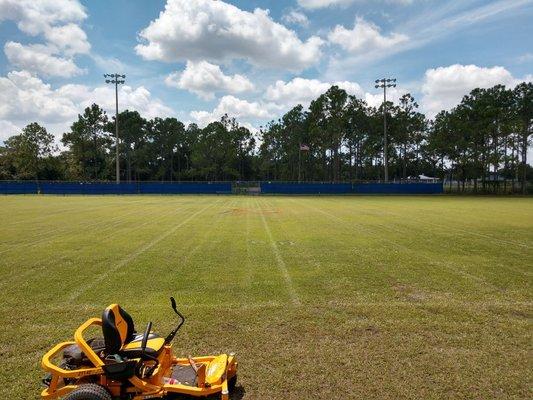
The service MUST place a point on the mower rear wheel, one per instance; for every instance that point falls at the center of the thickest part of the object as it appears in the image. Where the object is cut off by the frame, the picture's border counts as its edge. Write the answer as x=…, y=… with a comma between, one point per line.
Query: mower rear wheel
x=89, y=391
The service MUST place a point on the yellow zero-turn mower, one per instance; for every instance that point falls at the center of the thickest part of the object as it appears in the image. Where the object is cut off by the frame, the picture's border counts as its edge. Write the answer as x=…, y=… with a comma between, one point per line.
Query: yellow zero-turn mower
x=128, y=365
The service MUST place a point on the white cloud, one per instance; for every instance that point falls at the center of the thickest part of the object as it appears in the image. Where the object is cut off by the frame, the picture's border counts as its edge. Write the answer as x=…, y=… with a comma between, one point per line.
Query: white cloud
x=430, y=24
x=25, y=98
x=314, y=4
x=376, y=99
x=295, y=17
x=524, y=58
x=278, y=98
x=302, y=91
x=36, y=17
x=57, y=21
x=450, y=17
x=139, y=99
x=444, y=87
x=234, y=107
x=365, y=36
x=7, y=129
x=70, y=39
x=111, y=64
x=40, y=59
x=285, y=95
x=218, y=31
x=205, y=79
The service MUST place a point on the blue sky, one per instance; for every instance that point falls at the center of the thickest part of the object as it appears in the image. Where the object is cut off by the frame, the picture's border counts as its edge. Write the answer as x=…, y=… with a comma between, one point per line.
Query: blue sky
x=198, y=59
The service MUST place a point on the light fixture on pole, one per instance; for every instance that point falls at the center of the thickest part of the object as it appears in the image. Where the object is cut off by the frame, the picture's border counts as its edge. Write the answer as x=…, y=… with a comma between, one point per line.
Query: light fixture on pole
x=385, y=83
x=116, y=79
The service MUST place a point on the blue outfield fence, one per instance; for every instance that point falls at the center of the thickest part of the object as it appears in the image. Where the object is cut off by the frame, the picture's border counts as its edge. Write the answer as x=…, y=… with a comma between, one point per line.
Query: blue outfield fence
x=18, y=188
x=306, y=188
x=309, y=188
x=398, y=188
x=100, y=188
x=87, y=188
x=349, y=188
x=184, y=188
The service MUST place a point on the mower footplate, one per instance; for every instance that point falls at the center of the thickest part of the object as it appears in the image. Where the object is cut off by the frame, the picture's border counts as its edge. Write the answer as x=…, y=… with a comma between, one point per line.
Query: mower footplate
x=185, y=375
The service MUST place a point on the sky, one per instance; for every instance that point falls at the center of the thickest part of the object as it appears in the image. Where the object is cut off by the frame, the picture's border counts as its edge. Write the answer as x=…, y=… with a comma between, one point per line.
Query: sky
x=254, y=60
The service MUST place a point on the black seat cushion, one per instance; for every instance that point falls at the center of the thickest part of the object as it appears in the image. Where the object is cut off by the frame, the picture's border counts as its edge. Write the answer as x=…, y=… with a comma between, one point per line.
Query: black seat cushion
x=154, y=345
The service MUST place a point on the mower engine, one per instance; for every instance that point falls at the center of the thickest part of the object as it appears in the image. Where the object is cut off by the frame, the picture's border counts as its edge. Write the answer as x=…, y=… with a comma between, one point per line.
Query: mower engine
x=74, y=358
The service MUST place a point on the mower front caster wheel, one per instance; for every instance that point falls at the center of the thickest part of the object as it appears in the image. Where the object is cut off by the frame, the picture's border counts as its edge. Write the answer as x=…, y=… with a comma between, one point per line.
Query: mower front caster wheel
x=232, y=383
x=89, y=391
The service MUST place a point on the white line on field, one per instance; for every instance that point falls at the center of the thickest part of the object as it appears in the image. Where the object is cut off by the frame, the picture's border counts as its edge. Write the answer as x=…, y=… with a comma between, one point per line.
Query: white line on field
x=136, y=254
x=465, y=232
x=447, y=265
x=46, y=236
x=190, y=253
x=482, y=235
x=281, y=263
x=451, y=234
x=249, y=266
x=46, y=215
x=12, y=276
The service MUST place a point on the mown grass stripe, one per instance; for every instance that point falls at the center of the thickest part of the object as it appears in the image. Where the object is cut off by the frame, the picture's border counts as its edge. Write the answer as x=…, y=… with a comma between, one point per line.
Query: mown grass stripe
x=403, y=248
x=125, y=231
x=280, y=262
x=135, y=254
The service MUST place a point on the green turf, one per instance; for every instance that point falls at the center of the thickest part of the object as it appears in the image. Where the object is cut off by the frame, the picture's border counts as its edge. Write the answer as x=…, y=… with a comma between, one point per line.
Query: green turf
x=330, y=297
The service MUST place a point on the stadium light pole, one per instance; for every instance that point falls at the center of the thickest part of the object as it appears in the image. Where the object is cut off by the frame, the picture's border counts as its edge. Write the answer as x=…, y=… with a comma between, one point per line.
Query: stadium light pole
x=385, y=83
x=116, y=79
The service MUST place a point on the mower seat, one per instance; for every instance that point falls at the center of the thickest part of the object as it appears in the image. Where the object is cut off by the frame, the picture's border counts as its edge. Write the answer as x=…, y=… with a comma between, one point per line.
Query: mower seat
x=154, y=345
x=120, y=336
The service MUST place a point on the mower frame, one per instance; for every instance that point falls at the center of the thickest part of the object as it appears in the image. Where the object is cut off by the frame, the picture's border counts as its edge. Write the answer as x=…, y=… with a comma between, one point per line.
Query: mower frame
x=145, y=388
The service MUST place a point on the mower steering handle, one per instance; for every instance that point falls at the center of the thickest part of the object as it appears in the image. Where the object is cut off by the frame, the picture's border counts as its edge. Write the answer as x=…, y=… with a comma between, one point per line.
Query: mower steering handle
x=171, y=335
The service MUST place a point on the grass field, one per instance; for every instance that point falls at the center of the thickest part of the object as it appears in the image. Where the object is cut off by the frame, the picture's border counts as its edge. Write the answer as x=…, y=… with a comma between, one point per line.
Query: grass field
x=320, y=297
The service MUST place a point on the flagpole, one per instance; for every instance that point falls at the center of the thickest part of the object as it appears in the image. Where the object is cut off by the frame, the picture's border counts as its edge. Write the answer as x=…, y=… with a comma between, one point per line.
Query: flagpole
x=300, y=163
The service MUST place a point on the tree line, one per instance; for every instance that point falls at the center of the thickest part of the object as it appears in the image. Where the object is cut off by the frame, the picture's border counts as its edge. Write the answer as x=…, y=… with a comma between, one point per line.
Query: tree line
x=338, y=138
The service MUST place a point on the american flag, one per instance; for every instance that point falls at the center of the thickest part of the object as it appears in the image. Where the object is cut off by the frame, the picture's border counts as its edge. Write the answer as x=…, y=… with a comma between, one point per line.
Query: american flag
x=304, y=147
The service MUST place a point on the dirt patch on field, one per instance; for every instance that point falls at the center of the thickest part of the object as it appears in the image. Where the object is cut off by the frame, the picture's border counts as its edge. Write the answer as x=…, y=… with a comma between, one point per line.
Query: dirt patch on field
x=511, y=312
x=243, y=211
x=407, y=292
x=236, y=211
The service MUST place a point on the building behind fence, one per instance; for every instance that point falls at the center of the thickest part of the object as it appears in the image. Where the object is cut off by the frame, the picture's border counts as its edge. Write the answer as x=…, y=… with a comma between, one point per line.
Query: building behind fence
x=292, y=188
x=478, y=186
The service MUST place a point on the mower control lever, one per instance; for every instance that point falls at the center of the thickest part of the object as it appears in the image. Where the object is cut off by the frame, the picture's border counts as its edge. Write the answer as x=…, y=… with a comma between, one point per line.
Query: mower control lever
x=148, y=371
x=145, y=337
x=171, y=335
